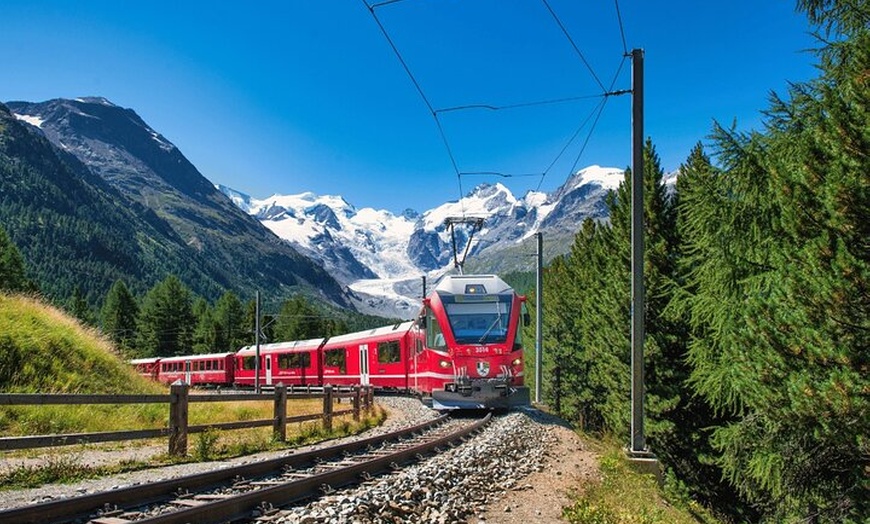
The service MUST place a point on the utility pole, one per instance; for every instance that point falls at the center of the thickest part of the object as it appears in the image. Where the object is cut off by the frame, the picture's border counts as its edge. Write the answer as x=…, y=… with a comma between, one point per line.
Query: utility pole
x=257, y=341
x=638, y=444
x=539, y=315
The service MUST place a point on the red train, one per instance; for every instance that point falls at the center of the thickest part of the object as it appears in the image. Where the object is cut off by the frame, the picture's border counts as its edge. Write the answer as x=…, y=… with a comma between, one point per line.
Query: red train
x=464, y=350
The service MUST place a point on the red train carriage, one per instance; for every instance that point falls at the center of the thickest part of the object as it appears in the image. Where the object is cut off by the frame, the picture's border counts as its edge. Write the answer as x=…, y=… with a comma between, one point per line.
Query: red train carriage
x=378, y=357
x=296, y=363
x=468, y=344
x=214, y=369
x=146, y=367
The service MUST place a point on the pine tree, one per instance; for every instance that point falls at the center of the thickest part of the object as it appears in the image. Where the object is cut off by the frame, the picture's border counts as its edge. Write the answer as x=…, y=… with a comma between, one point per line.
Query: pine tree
x=166, y=320
x=13, y=275
x=780, y=304
x=229, y=318
x=587, y=299
x=298, y=320
x=205, y=333
x=119, y=316
x=79, y=307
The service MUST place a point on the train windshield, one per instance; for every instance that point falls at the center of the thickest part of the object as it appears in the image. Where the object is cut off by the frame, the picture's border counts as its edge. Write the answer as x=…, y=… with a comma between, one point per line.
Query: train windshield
x=478, y=321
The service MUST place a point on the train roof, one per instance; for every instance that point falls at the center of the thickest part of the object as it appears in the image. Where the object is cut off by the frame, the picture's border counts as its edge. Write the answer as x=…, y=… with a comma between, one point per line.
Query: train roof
x=460, y=284
x=392, y=329
x=195, y=357
x=300, y=345
x=149, y=360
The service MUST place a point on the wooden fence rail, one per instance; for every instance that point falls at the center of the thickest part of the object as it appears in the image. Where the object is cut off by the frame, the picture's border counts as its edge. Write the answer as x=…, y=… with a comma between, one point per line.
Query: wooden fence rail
x=179, y=398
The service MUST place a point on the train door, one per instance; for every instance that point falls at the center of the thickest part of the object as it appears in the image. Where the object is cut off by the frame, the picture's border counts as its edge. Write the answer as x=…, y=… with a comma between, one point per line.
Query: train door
x=187, y=371
x=268, y=359
x=364, y=364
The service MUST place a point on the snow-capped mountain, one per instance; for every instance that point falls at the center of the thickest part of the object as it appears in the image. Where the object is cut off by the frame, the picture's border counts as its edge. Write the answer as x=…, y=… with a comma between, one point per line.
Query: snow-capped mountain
x=381, y=256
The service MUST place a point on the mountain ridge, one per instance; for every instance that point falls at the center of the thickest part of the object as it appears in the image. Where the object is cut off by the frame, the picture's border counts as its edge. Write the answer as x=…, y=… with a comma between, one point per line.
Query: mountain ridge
x=144, y=167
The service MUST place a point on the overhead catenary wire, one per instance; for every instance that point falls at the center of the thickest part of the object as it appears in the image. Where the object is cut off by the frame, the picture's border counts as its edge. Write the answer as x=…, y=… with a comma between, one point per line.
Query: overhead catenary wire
x=599, y=109
x=518, y=105
x=621, y=28
x=383, y=3
x=407, y=69
x=594, y=115
x=574, y=45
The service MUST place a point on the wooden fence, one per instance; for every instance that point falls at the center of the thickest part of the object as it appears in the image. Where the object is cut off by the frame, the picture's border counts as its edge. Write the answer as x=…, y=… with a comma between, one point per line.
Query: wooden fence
x=179, y=398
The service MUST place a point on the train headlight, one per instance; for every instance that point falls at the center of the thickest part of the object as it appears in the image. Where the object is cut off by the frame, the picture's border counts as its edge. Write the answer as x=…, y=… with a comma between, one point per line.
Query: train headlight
x=517, y=362
x=444, y=364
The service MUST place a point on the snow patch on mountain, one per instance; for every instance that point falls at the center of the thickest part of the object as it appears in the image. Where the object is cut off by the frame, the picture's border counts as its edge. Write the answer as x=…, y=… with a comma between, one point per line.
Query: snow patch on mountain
x=30, y=119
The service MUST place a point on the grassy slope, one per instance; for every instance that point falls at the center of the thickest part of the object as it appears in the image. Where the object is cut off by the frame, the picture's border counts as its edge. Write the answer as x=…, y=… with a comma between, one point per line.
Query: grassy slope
x=42, y=350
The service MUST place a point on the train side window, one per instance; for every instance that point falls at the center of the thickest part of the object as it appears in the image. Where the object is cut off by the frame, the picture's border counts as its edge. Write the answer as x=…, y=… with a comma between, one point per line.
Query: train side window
x=249, y=362
x=388, y=352
x=419, y=346
x=294, y=360
x=337, y=358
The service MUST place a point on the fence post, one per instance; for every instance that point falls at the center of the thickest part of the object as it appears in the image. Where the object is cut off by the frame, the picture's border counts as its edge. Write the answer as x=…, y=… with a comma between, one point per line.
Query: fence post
x=178, y=393
x=279, y=426
x=370, y=398
x=356, y=399
x=327, y=408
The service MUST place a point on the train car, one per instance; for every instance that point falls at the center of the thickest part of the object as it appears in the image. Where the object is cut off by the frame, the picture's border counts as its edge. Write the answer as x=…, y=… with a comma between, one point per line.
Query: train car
x=464, y=351
x=296, y=363
x=379, y=357
x=146, y=367
x=468, y=351
x=215, y=369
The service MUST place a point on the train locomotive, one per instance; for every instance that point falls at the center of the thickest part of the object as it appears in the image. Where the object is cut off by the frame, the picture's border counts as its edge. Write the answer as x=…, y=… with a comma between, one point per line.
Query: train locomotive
x=463, y=351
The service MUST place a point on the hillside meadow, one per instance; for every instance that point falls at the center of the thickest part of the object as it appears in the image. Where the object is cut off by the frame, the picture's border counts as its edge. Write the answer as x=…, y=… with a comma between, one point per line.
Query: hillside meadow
x=43, y=350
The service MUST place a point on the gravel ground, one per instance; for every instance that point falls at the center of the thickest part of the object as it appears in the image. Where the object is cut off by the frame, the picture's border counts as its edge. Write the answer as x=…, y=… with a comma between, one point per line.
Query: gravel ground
x=520, y=470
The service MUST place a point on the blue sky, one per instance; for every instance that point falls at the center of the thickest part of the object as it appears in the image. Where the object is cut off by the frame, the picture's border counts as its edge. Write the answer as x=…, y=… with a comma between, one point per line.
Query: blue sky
x=307, y=95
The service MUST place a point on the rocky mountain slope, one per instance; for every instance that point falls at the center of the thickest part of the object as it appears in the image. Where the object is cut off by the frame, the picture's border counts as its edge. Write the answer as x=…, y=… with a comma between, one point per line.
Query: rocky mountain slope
x=154, y=178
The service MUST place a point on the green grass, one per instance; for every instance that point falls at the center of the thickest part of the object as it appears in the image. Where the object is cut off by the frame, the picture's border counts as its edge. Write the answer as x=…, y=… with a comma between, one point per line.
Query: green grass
x=66, y=465
x=42, y=350
x=624, y=496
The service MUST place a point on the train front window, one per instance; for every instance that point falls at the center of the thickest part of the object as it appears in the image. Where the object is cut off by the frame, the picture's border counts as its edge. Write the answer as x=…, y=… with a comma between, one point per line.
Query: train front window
x=434, y=336
x=479, y=322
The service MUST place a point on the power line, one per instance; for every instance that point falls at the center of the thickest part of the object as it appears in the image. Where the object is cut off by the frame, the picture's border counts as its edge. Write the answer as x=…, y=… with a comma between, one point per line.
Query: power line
x=589, y=135
x=574, y=45
x=600, y=109
x=518, y=105
x=371, y=9
x=567, y=145
x=621, y=29
x=596, y=111
x=379, y=4
x=498, y=174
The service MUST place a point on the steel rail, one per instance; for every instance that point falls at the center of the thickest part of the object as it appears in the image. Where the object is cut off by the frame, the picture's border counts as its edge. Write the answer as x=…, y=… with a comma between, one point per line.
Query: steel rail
x=65, y=510
x=242, y=505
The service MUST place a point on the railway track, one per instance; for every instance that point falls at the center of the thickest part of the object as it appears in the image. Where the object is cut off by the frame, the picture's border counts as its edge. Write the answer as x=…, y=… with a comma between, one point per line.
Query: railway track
x=241, y=491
